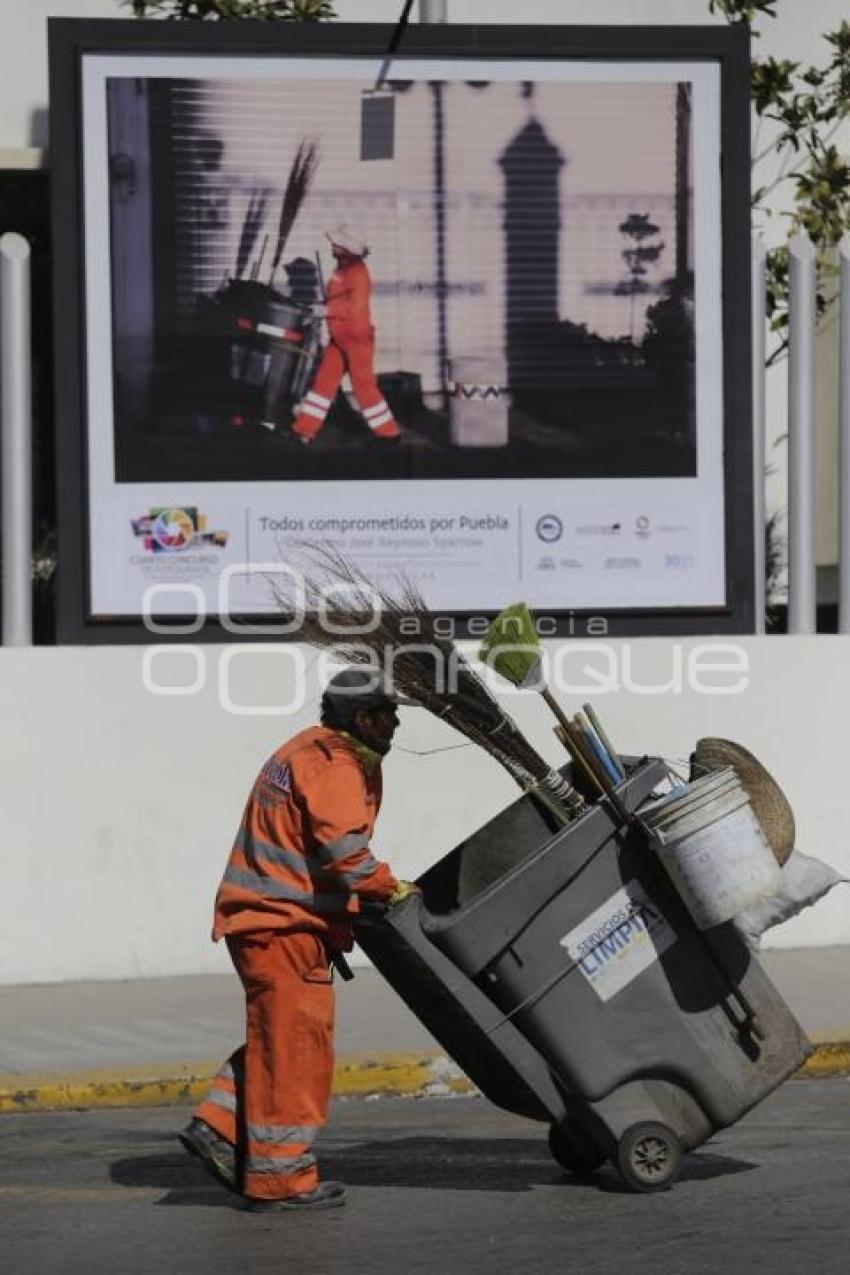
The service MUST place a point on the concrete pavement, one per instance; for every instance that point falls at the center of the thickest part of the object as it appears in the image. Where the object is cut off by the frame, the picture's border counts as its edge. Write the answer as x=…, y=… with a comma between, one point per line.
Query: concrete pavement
x=159, y=1040
x=454, y=1186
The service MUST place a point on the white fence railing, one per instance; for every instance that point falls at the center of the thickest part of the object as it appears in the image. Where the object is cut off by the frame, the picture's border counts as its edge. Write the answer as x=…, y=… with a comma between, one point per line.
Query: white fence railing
x=844, y=447
x=802, y=568
x=16, y=425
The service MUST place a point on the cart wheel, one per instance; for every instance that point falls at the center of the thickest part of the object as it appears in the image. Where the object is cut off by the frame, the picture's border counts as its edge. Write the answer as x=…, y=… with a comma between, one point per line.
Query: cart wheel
x=573, y=1149
x=649, y=1157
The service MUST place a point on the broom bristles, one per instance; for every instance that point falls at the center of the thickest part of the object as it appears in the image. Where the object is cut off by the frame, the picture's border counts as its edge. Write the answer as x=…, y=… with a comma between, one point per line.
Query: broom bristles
x=300, y=180
x=511, y=647
x=251, y=226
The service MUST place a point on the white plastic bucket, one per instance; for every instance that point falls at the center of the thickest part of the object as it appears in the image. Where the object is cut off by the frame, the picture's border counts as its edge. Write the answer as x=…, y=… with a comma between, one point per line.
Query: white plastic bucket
x=480, y=402
x=676, y=803
x=715, y=853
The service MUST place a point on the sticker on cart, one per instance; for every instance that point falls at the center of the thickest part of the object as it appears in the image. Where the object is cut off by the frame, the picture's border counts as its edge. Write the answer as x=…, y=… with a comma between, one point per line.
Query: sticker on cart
x=619, y=941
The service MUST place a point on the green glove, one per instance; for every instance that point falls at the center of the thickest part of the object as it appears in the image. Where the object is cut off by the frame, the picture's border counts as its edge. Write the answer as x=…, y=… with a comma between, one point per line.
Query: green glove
x=403, y=890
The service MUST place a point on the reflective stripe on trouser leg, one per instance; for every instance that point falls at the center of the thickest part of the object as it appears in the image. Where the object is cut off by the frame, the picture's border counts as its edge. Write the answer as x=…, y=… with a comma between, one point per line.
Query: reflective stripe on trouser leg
x=378, y=415
x=219, y=1108
x=361, y=359
x=318, y=400
x=288, y=1059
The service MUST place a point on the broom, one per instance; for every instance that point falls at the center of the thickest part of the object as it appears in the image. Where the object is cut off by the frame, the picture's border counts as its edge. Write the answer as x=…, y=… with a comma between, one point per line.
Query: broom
x=298, y=185
x=418, y=668
x=511, y=646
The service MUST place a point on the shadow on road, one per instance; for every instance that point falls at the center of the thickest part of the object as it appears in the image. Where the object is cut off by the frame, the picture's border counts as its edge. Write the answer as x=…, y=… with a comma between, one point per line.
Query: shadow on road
x=454, y=1164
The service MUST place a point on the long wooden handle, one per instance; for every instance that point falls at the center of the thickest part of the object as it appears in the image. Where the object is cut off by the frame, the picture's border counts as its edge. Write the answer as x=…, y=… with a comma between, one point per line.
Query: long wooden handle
x=556, y=708
x=567, y=738
x=600, y=777
x=597, y=726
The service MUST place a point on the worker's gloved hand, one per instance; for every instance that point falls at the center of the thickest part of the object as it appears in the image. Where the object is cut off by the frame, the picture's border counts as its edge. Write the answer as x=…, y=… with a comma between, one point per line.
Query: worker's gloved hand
x=403, y=890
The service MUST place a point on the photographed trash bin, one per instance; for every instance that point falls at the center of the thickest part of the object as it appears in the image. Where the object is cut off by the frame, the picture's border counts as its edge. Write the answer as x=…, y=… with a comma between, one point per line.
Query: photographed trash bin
x=480, y=402
x=565, y=975
x=274, y=343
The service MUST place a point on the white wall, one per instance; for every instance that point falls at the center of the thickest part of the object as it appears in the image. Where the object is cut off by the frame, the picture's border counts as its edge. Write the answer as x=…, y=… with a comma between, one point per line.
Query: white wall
x=117, y=807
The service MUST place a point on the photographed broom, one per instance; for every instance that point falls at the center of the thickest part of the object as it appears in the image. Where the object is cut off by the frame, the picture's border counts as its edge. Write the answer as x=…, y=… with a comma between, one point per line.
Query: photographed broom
x=251, y=226
x=428, y=670
x=298, y=185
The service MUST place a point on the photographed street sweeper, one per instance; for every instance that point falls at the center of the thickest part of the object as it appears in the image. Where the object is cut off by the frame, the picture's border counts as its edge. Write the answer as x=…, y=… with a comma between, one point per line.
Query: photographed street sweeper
x=299, y=866
x=351, y=347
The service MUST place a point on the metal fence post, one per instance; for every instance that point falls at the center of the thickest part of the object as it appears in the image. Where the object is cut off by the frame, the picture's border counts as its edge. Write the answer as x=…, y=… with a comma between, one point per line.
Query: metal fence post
x=433, y=10
x=802, y=575
x=759, y=302
x=16, y=420
x=844, y=446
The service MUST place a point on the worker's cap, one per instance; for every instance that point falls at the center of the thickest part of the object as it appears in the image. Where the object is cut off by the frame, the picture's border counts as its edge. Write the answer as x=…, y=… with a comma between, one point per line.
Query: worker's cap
x=349, y=238
x=359, y=688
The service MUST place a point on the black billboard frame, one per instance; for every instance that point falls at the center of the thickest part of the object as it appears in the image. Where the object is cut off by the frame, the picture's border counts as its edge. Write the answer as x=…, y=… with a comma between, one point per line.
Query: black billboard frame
x=70, y=40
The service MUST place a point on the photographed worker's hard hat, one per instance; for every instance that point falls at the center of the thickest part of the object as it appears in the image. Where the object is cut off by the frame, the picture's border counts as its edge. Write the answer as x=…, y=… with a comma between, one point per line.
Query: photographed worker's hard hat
x=349, y=238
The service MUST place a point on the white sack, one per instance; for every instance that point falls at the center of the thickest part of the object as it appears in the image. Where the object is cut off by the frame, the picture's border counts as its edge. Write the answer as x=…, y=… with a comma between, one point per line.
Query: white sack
x=804, y=881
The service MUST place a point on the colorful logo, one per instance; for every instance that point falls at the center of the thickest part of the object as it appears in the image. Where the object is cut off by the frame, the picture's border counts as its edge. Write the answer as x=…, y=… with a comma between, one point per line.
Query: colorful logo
x=169, y=529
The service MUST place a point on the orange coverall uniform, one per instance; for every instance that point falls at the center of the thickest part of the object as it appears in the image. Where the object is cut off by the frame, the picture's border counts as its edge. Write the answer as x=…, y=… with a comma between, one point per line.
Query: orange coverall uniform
x=351, y=349
x=299, y=864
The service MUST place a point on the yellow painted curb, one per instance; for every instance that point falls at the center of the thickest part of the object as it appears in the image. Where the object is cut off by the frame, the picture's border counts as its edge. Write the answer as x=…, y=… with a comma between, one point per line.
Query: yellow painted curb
x=106, y=1087
x=830, y=1058
x=355, y=1076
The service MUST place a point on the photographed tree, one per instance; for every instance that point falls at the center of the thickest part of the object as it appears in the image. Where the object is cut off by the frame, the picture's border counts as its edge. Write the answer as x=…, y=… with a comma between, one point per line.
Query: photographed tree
x=638, y=256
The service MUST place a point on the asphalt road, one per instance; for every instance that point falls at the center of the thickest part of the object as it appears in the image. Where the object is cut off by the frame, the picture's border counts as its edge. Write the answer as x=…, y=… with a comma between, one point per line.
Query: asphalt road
x=441, y=1186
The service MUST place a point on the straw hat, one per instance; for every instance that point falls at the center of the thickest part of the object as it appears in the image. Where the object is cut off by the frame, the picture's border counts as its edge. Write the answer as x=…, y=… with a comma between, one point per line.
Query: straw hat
x=768, y=801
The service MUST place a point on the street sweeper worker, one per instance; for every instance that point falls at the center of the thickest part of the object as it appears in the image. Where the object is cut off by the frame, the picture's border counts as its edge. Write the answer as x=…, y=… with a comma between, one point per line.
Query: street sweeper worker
x=299, y=867
x=351, y=347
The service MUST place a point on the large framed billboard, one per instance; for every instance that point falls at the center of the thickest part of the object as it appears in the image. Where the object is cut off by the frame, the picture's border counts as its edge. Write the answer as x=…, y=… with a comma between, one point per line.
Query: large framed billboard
x=478, y=314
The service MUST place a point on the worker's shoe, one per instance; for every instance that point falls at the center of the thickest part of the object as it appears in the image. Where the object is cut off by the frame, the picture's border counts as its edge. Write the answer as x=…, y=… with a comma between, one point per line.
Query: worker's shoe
x=387, y=432
x=306, y=427
x=327, y=1195
x=218, y=1155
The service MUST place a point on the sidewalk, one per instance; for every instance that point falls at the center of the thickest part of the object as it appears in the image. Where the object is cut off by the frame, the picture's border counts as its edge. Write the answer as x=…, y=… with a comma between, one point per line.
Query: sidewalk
x=159, y=1040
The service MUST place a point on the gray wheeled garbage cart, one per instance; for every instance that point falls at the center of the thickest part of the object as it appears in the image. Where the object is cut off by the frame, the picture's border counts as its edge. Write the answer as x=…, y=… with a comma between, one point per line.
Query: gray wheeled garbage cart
x=565, y=976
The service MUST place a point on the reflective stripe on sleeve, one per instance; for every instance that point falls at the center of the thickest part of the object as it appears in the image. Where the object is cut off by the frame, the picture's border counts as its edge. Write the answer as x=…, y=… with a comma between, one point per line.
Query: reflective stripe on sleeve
x=309, y=409
x=352, y=876
x=318, y=399
x=376, y=410
x=343, y=847
x=376, y=421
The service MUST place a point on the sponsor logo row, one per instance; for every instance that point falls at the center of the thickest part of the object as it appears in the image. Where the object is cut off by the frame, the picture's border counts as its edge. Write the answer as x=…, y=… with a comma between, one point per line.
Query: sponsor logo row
x=550, y=528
